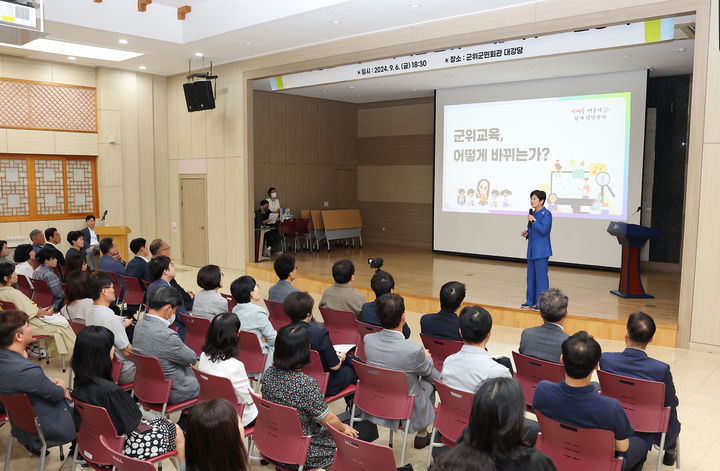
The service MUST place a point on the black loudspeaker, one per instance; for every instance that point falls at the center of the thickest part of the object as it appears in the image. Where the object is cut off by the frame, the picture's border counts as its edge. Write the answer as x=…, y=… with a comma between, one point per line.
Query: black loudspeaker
x=199, y=95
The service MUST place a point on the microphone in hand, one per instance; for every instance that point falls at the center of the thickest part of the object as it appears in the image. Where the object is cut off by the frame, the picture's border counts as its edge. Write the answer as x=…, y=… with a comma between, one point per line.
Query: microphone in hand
x=530, y=211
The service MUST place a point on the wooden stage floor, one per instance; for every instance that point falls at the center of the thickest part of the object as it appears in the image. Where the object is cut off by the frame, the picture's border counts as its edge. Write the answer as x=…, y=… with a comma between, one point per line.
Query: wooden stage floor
x=420, y=273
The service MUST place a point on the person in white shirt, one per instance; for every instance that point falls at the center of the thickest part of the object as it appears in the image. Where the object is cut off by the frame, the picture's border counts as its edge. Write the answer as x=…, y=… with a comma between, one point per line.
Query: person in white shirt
x=218, y=358
x=92, y=244
x=273, y=200
x=22, y=256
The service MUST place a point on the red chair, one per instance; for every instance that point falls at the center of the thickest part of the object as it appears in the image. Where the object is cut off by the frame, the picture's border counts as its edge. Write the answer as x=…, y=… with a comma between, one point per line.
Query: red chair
x=118, y=288
x=383, y=393
x=251, y=355
x=231, y=301
x=315, y=370
x=77, y=326
x=278, y=436
x=451, y=416
x=196, y=331
x=354, y=454
x=23, y=416
x=42, y=295
x=530, y=371
x=572, y=448
x=24, y=286
x=278, y=318
x=121, y=462
x=146, y=284
x=440, y=349
x=363, y=330
x=152, y=388
x=117, y=367
x=643, y=401
x=287, y=230
x=134, y=293
x=302, y=231
x=340, y=325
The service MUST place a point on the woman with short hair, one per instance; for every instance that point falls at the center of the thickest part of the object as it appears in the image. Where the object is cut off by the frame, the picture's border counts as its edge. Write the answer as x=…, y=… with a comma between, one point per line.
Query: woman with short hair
x=78, y=302
x=208, y=303
x=253, y=317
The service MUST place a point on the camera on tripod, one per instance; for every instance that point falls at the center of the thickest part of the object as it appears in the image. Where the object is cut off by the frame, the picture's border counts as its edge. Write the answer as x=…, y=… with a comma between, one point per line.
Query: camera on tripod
x=376, y=263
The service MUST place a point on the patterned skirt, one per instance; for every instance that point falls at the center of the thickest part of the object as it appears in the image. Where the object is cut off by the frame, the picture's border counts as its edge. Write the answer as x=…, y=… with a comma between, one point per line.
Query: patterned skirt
x=155, y=442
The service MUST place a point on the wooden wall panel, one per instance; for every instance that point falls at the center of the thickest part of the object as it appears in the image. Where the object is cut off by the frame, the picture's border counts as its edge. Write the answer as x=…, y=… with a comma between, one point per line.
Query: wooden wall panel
x=398, y=120
x=404, y=223
x=396, y=150
x=395, y=183
x=302, y=131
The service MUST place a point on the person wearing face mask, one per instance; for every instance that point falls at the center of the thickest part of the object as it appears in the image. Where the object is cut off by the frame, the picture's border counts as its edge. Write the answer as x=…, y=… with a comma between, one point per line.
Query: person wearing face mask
x=273, y=200
x=153, y=337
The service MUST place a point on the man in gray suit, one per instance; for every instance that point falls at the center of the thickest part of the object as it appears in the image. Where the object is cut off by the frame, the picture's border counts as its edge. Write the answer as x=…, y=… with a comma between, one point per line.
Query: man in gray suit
x=545, y=341
x=153, y=337
x=286, y=270
x=389, y=349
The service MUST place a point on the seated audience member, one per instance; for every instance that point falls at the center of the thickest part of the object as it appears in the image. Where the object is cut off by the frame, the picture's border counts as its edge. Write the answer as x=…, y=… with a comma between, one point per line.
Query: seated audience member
x=22, y=376
x=40, y=319
x=213, y=425
x=22, y=256
x=381, y=283
x=4, y=252
x=272, y=237
x=286, y=271
x=634, y=362
x=545, y=341
x=160, y=248
x=78, y=302
x=92, y=365
x=298, y=306
x=92, y=244
x=53, y=237
x=494, y=433
x=445, y=324
x=138, y=264
x=253, y=318
x=77, y=242
x=389, y=349
x=575, y=402
x=342, y=296
x=163, y=272
x=284, y=383
x=208, y=302
x=111, y=260
x=48, y=261
x=103, y=294
x=76, y=263
x=38, y=240
x=218, y=358
x=153, y=337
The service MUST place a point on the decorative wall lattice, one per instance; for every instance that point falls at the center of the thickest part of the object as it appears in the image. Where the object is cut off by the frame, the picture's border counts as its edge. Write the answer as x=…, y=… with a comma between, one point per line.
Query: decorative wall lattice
x=47, y=106
x=79, y=186
x=49, y=187
x=14, y=189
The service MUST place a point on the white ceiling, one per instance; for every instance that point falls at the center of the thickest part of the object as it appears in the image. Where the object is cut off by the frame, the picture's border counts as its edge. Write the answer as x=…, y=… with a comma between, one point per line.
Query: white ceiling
x=231, y=30
x=667, y=58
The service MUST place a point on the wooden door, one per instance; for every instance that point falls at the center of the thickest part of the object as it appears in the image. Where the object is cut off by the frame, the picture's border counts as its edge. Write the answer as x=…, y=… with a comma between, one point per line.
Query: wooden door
x=193, y=209
x=344, y=191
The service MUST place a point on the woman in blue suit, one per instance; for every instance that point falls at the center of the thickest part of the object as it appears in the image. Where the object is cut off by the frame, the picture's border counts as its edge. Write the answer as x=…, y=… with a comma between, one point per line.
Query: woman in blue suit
x=539, y=250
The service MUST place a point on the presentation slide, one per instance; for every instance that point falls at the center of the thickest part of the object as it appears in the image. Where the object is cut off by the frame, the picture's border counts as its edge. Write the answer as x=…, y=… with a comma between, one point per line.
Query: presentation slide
x=579, y=139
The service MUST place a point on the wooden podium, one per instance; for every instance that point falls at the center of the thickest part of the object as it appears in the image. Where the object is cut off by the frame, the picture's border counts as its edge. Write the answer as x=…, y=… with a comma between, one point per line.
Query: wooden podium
x=119, y=235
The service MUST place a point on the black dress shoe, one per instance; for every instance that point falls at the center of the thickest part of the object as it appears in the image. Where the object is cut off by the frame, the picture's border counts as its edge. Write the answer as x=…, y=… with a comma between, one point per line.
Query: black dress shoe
x=670, y=457
x=421, y=442
x=36, y=452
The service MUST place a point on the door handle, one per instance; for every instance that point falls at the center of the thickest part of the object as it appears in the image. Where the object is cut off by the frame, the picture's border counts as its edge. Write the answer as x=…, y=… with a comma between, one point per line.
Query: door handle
x=202, y=227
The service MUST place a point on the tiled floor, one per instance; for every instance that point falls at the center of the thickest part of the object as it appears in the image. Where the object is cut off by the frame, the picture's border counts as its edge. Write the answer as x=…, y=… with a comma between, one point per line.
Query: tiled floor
x=697, y=378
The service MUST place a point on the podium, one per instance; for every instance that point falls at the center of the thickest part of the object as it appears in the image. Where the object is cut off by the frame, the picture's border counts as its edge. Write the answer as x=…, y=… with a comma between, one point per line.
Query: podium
x=119, y=235
x=632, y=238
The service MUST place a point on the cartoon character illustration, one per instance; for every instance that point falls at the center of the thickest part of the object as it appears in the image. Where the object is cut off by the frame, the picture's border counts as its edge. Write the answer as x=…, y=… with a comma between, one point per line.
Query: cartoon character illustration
x=483, y=192
x=506, y=194
x=586, y=188
x=461, y=197
x=494, y=200
x=470, y=197
x=558, y=167
x=552, y=202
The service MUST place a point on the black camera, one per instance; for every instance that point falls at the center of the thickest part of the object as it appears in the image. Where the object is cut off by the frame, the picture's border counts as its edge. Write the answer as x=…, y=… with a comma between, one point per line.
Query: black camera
x=376, y=263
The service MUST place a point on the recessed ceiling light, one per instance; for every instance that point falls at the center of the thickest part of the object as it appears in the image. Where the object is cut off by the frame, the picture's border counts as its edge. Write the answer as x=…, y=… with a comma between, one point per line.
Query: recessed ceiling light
x=248, y=42
x=65, y=48
x=123, y=41
x=414, y=5
x=199, y=54
x=625, y=56
x=142, y=67
x=682, y=49
x=336, y=22
x=414, y=89
x=72, y=58
x=351, y=86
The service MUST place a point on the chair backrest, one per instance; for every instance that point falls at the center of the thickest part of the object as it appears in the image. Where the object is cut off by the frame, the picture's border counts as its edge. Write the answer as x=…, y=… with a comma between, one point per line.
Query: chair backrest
x=340, y=325
x=251, y=353
x=21, y=412
x=196, y=329
x=42, y=295
x=117, y=285
x=572, y=448
x=278, y=434
x=643, y=400
x=117, y=367
x=231, y=301
x=302, y=226
x=77, y=326
x=354, y=454
x=530, y=371
x=24, y=286
x=305, y=214
x=364, y=329
x=134, y=294
x=278, y=318
x=146, y=284
x=7, y=306
x=317, y=219
x=214, y=387
x=382, y=392
x=151, y=386
x=440, y=349
x=125, y=463
x=314, y=369
x=95, y=423
x=453, y=411
x=288, y=227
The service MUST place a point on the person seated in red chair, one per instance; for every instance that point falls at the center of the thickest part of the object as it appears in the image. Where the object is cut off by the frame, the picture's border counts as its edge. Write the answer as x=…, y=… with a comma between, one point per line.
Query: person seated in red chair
x=381, y=283
x=48, y=260
x=574, y=401
x=445, y=324
x=636, y=363
x=342, y=296
x=545, y=341
x=53, y=238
